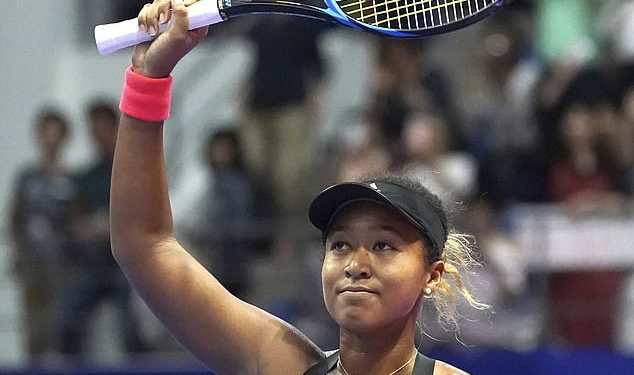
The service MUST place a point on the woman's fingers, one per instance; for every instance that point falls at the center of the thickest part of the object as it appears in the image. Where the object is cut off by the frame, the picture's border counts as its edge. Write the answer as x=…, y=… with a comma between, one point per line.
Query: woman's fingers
x=153, y=15
x=180, y=23
x=152, y=18
x=164, y=12
x=142, y=17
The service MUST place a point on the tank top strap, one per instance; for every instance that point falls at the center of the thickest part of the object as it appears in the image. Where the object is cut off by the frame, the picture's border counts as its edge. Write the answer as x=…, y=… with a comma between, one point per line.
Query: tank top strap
x=423, y=365
x=325, y=364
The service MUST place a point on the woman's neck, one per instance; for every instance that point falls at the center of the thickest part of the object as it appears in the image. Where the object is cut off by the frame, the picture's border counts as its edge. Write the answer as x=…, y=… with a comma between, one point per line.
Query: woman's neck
x=379, y=352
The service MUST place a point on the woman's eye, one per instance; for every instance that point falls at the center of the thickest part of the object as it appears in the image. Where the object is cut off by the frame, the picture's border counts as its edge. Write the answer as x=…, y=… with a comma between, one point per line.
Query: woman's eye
x=339, y=246
x=383, y=246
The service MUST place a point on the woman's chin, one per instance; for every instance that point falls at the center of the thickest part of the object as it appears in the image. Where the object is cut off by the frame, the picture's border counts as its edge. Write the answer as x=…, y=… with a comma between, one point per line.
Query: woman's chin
x=357, y=322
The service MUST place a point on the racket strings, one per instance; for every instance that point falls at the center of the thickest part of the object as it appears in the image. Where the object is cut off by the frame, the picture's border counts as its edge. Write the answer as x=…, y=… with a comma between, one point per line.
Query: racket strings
x=421, y=14
x=423, y=11
x=388, y=7
x=434, y=19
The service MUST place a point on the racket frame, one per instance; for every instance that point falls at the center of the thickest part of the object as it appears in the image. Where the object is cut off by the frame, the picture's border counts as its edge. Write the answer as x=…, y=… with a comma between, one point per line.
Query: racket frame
x=112, y=37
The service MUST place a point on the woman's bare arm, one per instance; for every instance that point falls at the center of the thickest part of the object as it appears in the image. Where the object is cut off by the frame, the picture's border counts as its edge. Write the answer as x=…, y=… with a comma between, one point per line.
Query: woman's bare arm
x=227, y=334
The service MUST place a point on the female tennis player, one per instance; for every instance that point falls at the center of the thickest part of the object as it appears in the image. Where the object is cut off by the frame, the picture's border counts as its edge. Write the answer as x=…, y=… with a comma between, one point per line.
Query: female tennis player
x=387, y=249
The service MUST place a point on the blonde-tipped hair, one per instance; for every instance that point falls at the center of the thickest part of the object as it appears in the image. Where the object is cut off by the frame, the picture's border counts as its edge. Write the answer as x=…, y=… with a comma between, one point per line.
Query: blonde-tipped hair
x=460, y=257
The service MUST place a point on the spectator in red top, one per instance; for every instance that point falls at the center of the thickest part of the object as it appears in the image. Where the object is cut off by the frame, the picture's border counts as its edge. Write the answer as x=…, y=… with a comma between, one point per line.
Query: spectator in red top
x=583, y=175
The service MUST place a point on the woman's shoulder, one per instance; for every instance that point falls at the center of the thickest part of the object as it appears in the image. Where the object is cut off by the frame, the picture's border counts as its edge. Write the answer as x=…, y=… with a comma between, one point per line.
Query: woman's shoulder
x=442, y=368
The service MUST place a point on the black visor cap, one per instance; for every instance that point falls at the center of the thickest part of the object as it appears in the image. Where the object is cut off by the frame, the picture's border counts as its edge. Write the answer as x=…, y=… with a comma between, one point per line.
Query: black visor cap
x=404, y=201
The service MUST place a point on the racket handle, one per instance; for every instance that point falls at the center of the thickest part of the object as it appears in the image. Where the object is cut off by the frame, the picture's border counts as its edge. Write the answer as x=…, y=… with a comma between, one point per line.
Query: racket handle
x=115, y=36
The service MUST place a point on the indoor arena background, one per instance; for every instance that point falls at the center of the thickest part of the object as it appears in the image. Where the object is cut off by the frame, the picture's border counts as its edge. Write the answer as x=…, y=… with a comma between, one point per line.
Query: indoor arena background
x=529, y=114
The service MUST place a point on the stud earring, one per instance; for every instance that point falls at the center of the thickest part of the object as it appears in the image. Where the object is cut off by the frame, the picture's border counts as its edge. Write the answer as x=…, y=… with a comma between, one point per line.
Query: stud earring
x=427, y=292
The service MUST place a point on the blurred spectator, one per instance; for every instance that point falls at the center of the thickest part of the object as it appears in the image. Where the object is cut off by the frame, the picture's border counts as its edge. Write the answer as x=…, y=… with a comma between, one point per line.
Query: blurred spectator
x=40, y=233
x=584, y=173
x=405, y=80
x=626, y=133
x=362, y=151
x=229, y=235
x=568, y=70
x=95, y=276
x=502, y=132
x=584, y=176
x=451, y=175
x=281, y=91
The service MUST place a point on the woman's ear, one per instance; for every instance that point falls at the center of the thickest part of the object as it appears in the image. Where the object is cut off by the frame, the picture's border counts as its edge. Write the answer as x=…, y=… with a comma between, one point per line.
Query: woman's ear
x=436, y=271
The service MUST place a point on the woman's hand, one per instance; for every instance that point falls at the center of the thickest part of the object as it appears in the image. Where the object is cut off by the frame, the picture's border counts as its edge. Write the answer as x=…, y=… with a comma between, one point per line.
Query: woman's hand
x=157, y=58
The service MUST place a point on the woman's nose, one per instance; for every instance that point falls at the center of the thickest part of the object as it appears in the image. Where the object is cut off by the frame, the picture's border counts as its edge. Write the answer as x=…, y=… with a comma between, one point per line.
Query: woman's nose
x=359, y=265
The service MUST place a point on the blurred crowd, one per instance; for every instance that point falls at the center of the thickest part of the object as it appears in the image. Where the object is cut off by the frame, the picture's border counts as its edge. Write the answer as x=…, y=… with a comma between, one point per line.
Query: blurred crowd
x=544, y=115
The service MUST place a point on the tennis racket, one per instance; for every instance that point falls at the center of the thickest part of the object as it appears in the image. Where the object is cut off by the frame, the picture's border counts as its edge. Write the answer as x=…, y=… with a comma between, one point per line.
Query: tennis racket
x=395, y=18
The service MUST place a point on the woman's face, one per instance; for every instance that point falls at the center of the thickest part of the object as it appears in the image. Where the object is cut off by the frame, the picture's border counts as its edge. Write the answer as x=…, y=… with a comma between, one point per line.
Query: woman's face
x=374, y=270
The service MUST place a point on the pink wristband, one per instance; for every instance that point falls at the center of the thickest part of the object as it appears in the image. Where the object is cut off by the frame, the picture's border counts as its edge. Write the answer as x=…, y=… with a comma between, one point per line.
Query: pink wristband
x=146, y=98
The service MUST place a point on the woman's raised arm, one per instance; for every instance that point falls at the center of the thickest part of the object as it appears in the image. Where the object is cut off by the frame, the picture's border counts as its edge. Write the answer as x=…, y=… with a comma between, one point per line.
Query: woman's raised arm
x=229, y=335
